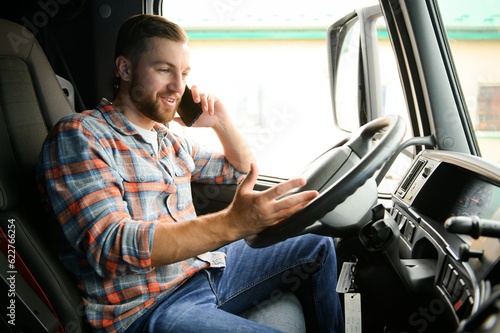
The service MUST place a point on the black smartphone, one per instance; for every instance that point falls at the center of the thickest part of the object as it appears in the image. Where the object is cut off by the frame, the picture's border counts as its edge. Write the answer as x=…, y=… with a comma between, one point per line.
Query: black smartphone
x=188, y=109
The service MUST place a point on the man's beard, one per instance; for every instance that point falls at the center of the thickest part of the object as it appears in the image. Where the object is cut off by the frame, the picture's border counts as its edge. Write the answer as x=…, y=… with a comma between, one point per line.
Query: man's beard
x=151, y=106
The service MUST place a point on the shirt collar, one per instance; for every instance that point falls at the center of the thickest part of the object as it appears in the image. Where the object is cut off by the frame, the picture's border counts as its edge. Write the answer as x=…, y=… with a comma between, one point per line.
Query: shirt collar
x=120, y=123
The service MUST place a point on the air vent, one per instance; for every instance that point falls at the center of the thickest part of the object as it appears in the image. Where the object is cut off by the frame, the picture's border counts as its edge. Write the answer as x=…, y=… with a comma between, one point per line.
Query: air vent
x=414, y=172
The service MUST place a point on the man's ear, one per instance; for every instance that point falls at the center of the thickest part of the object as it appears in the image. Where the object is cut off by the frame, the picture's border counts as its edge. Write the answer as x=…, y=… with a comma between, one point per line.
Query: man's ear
x=123, y=68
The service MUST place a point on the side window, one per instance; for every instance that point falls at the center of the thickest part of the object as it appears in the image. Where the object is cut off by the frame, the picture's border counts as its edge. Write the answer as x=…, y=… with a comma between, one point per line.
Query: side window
x=393, y=102
x=270, y=69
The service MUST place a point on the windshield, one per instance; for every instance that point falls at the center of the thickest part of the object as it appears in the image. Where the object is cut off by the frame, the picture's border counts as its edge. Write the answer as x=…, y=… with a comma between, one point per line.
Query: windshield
x=270, y=68
x=473, y=30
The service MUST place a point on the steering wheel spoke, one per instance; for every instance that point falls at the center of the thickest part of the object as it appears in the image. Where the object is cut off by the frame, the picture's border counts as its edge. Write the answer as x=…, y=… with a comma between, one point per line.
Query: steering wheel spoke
x=344, y=176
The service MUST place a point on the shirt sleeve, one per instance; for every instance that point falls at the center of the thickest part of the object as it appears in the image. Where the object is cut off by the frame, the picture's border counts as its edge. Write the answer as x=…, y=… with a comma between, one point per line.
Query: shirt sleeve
x=85, y=195
x=211, y=166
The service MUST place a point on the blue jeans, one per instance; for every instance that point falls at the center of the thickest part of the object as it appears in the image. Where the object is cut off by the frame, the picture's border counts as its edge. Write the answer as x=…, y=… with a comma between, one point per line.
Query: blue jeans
x=210, y=300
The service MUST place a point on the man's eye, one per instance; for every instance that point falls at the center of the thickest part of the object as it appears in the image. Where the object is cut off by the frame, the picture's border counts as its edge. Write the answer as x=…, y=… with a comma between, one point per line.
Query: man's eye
x=185, y=74
x=164, y=70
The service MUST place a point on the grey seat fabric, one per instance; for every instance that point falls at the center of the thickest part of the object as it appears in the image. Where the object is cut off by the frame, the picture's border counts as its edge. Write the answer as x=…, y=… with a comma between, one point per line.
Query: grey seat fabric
x=31, y=102
x=284, y=313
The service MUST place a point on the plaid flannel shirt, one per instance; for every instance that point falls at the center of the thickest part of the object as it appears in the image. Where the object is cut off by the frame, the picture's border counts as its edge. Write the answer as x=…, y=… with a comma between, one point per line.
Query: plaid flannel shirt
x=108, y=189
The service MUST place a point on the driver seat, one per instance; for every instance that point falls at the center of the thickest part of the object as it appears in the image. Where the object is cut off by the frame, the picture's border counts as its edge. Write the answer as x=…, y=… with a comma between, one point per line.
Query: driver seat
x=31, y=102
x=46, y=298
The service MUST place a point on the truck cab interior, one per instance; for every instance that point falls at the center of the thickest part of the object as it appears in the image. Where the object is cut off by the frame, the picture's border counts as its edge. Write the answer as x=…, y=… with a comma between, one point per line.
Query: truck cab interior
x=405, y=146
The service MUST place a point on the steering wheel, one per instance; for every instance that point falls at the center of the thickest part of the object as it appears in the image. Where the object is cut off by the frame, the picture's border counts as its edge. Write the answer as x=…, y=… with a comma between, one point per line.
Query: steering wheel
x=338, y=174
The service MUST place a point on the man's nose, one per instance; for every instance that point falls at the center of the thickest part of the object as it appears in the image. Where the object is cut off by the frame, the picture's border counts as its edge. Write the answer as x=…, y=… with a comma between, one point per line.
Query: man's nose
x=176, y=84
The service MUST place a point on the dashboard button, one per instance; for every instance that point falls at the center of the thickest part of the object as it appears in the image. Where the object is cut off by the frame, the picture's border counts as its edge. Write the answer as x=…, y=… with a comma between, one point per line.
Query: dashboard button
x=447, y=275
x=464, y=305
x=453, y=281
x=426, y=172
x=458, y=291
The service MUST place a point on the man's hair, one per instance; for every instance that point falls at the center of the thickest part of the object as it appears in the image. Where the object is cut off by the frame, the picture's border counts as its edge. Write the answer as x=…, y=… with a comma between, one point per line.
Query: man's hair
x=135, y=32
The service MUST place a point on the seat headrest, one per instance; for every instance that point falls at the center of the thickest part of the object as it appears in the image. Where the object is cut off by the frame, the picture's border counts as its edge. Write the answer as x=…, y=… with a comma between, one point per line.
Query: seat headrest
x=17, y=41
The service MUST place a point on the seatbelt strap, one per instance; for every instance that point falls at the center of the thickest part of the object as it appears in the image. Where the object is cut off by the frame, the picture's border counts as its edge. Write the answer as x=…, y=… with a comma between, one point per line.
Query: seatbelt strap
x=24, y=270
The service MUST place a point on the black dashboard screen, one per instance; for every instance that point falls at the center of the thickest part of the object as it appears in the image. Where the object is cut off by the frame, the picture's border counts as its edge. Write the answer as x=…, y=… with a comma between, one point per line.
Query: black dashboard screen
x=453, y=191
x=479, y=198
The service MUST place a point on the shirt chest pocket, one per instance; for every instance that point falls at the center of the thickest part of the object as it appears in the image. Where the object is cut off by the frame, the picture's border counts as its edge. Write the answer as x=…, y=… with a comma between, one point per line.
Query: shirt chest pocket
x=181, y=179
x=142, y=172
x=155, y=189
x=144, y=186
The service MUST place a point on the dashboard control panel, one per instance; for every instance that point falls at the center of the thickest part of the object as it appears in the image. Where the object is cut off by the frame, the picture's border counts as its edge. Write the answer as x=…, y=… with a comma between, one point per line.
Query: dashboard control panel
x=440, y=185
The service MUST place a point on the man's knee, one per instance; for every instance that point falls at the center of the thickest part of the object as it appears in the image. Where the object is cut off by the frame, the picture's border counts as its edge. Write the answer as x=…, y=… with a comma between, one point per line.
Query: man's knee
x=322, y=246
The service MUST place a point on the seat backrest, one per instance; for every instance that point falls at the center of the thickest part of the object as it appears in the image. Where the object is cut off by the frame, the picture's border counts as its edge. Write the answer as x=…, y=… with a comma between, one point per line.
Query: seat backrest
x=31, y=102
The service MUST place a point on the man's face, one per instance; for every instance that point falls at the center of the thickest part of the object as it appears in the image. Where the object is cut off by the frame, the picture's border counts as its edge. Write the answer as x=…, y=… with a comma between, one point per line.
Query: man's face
x=158, y=80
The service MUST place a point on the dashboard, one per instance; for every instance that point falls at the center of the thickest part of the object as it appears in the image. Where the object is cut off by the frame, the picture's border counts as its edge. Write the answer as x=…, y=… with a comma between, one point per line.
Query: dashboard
x=440, y=185
x=478, y=198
